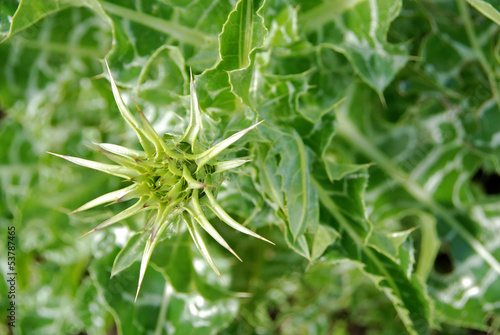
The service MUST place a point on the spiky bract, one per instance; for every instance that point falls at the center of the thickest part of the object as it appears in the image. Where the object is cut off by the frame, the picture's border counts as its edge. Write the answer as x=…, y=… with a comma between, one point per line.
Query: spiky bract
x=169, y=178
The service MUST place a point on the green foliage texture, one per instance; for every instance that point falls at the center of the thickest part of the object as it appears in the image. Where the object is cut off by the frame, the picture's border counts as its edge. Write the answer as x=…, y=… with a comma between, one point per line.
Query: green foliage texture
x=375, y=171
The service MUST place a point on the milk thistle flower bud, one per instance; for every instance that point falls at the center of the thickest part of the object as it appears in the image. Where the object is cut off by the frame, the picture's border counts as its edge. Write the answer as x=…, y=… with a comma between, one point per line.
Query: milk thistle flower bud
x=171, y=178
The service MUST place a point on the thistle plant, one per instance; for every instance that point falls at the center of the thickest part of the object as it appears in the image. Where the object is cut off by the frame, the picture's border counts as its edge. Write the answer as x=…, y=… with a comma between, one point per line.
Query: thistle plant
x=172, y=178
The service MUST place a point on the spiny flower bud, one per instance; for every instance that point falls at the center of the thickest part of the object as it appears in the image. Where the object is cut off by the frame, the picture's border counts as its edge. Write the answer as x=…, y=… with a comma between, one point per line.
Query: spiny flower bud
x=170, y=178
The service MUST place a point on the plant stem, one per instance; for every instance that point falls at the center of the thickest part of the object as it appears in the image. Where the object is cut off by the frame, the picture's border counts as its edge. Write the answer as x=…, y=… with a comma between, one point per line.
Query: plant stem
x=181, y=33
x=59, y=48
x=324, y=12
x=471, y=35
x=349, y=132
x=163, y=308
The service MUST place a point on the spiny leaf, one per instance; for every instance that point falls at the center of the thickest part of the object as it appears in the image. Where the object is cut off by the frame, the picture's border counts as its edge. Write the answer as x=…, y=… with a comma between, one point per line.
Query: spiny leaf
x=222, y=214
x=195, y=210
x=172, y=167
x=134, y=209
x=129, y=118
x=296, y=196
x=195, y=120
x=124, y=161
x=122, y=151
x=158, y=227
x=135, y=193
x=146, y=256
x=163, y=211
x=105, y=198
x=200, y=244
x=114, y=170
x=206, y=156
x=153, y=136
x=175, y=191
x=192, y=183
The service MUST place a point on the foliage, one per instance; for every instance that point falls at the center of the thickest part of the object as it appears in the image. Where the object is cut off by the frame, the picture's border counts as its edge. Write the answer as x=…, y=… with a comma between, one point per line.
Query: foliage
x=375, y=171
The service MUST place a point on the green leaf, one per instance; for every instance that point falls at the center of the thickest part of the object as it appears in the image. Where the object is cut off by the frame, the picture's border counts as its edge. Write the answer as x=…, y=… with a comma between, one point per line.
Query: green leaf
x=439, y=185
x=419, y=176
x=404, y=290
x=242, y=33
x=164, y=71
x=8, y=8
x=487, y=9
x=324, y=237
x=300, y=245
x=294, y=168
x=141, y=29
x=160, y=306
x=284, y=28
x=360, y=33
x=287, y=184
x=397, y=246
x=338, y=171
x=268, y=180
x=178, y=266
x=129, y=254
x=29, y=13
